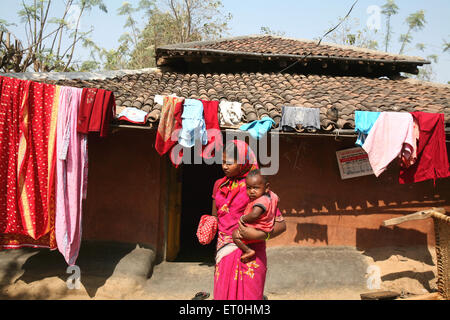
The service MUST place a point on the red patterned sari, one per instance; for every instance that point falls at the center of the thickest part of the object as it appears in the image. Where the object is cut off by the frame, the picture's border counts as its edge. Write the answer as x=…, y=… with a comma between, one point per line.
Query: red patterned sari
x=233, y=279
x=28, y=114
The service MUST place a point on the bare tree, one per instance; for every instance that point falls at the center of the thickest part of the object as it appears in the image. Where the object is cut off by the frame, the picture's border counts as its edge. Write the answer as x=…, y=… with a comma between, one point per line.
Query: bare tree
x=389, y=9
x=47, y=51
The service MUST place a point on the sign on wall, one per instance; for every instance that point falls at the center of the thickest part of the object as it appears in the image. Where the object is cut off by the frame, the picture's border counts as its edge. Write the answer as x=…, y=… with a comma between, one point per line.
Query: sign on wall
x=353, y=163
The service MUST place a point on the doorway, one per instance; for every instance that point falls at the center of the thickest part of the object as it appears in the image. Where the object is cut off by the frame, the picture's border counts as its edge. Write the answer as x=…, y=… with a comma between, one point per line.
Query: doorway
x=196, y=190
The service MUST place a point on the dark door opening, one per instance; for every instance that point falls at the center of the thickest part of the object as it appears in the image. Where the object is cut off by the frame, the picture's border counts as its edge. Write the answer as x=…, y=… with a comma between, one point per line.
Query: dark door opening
x=197, y=184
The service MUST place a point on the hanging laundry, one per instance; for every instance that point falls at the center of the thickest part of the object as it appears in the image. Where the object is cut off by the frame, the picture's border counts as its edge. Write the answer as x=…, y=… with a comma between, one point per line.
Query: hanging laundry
x=98, y=107
x=294, y=117
x=159, y=100
x=364, y=121
x=258, y=128
x=387, y=139
x=169, y=124
x=193, y=124
x=133, y=115
x=215, y=141
x=230, y=113
x=87, y=104
x=409, y=155
x=70, y=165
x=432, y=158
x=28, y=113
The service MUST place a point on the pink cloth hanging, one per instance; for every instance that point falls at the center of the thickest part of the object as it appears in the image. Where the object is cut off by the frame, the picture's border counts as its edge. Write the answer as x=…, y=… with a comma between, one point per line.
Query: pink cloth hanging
x=389, y=136
x=71, y=166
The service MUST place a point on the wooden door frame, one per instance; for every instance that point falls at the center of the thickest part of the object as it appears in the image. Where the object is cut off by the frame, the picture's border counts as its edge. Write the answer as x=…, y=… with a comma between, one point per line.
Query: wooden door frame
x=170, y=207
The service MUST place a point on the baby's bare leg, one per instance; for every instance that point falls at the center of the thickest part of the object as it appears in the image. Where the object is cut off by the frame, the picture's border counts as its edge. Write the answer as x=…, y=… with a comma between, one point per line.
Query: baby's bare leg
x=239, y=242
x=255, y=234
x=248, y=253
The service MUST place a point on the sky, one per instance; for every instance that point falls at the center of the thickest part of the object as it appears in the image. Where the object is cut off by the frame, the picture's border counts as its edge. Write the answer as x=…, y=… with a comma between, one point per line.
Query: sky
x=302, y=19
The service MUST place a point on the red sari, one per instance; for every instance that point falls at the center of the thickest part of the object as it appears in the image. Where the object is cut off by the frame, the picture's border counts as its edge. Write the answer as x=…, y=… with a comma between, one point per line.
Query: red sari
x=233, y=279
x=27, y=165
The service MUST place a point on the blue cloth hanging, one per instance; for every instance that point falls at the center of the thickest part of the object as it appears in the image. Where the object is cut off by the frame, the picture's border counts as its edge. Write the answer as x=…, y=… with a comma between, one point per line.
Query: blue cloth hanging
x=364, y=121
x=258, y=128
x=193, y=124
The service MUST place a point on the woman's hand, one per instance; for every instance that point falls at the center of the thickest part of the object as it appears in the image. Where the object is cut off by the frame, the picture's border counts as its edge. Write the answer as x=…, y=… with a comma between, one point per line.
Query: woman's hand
x=250, y=233
x=242, y=229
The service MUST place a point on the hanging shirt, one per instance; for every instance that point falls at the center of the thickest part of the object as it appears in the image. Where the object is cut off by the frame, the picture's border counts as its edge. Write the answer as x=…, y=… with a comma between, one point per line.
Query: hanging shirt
x=97, y=108
x=133, y=115
x=364, y=121
x=70, y=174
x=193, y=124
x=432, y=158
x=387, y=139
x=169, y=124
x=215, y=143
x=409, y=154
x=258, y=128
x=230, y=113
x=291, y=117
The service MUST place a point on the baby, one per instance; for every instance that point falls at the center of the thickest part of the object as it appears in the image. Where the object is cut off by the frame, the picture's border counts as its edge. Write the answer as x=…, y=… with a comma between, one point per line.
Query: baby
x=259, y=213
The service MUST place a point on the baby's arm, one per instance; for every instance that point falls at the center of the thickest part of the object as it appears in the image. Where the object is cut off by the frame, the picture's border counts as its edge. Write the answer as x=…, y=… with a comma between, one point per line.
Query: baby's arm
x=256, y=212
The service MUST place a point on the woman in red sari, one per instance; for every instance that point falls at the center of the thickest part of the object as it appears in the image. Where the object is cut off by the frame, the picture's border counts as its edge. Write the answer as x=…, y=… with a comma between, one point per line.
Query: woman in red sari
x=234, y=280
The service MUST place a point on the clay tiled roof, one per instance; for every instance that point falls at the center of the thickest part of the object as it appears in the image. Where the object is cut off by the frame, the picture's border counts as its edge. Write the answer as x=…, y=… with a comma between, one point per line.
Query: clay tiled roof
x=280, y=46
x=263, y=94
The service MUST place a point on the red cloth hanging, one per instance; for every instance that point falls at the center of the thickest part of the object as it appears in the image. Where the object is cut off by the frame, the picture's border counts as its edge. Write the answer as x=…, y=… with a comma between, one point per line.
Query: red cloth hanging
x=169, y=124
x=215, y=142
x=27, y=146
x=86, y=105
x=432, y=159
x=97, y=108
x=109, y=111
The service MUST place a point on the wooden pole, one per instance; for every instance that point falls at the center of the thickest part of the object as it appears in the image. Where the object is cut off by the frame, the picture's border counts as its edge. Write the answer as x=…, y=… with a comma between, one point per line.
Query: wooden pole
x=414, y=216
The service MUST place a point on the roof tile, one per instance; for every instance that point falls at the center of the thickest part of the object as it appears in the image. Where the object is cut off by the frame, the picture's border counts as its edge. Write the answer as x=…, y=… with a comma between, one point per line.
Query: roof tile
x=263, y=94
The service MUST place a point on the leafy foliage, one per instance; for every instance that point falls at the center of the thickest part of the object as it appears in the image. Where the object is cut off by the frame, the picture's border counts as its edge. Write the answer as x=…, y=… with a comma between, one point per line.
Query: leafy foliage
x=44, y=50
x=389, y=9
x=351, y=33
x=167, y=22
x=415, y=21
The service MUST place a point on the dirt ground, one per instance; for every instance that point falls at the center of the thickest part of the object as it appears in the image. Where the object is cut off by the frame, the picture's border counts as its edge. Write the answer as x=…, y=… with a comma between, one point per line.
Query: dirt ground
x=408, y=271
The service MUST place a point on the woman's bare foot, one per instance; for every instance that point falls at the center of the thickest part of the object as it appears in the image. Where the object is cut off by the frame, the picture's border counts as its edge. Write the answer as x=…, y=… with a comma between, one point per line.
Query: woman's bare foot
x=248, y=256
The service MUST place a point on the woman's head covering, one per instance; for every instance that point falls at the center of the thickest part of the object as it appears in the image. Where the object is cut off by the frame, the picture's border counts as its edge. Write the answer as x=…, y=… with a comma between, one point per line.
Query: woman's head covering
x=243, y=155
x=246, y=159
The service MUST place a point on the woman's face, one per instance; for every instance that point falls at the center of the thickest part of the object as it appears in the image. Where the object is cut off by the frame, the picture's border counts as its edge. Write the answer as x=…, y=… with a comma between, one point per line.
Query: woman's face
x=230, y=167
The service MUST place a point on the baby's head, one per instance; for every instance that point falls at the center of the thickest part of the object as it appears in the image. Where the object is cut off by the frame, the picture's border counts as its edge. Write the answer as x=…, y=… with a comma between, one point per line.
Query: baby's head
x=257, y=184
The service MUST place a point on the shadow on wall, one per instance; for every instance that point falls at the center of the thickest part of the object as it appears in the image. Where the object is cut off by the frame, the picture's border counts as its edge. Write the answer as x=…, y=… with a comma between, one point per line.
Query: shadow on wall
x=309, y=182
x=389, y=242
x=97, y=262
x=312, y=233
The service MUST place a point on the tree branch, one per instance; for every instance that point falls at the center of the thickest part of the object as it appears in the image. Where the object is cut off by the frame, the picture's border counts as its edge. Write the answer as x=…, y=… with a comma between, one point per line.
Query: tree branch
x=75, y=37
x=61, y=27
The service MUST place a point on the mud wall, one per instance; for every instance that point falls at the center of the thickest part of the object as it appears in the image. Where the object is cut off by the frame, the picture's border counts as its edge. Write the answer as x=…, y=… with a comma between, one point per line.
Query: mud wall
x=123, y=202
x=322, y=209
